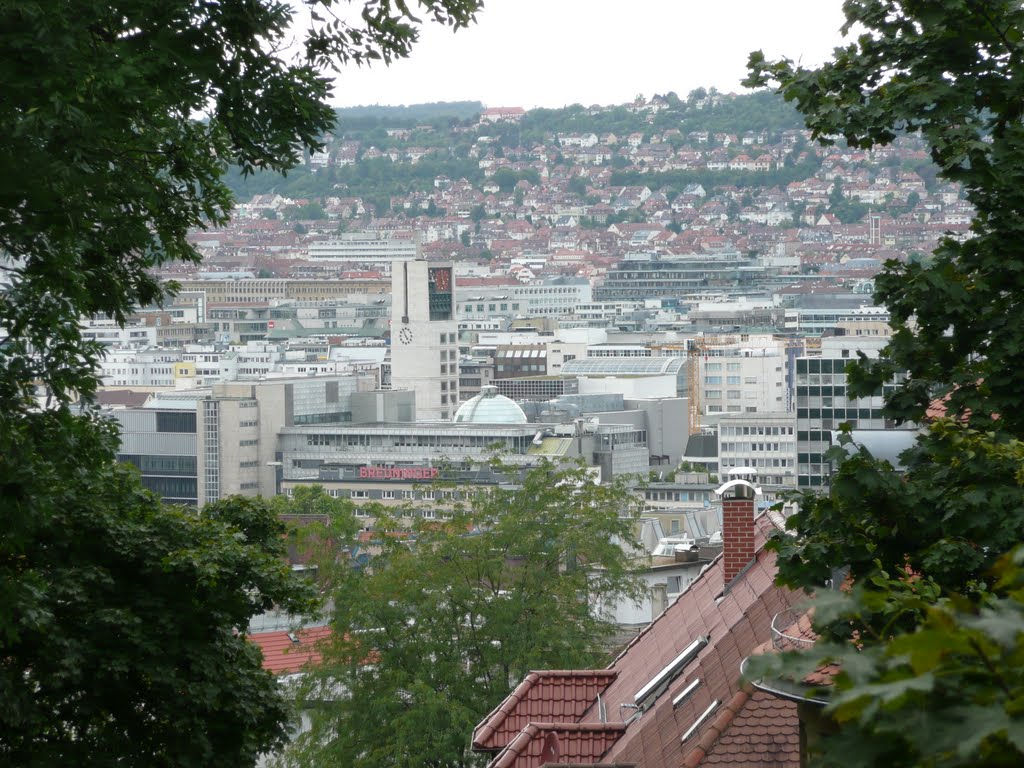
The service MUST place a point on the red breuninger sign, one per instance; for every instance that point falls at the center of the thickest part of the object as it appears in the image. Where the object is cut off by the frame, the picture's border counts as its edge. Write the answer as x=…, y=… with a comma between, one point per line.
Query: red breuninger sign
x=398, y=473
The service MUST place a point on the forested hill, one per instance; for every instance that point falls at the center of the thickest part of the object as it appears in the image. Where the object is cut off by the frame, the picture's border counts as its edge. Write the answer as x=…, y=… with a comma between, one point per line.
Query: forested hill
x=378, y=140
x=460, y=110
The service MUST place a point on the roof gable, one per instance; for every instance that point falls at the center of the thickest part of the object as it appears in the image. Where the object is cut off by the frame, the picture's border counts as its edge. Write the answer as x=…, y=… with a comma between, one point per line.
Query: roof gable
x=558, y=743
x=548, y=696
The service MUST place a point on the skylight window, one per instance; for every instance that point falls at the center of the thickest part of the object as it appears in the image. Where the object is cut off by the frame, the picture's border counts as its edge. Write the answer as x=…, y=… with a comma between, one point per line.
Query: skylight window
x=657, y=686
x=684, y=694
x=700, y=720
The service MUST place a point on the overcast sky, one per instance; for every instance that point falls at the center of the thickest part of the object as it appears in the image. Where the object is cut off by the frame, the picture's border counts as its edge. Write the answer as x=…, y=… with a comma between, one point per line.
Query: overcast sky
x=550, y=53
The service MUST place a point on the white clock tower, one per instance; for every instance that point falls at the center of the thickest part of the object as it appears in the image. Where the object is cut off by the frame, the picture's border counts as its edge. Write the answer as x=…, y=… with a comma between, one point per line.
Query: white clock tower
x=425, y=336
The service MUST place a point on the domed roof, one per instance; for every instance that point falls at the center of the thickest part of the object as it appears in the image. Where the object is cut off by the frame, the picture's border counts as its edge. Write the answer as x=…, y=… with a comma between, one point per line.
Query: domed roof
x=490, y=408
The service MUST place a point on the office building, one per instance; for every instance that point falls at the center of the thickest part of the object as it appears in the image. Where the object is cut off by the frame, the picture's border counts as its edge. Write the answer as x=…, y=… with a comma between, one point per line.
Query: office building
x=425, y=336
x=822, y=404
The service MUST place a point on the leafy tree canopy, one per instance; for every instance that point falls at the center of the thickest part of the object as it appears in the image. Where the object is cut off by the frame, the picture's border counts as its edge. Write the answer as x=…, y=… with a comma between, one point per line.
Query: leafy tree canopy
x=927, y=637
x=120, y=619
x=123, y=621
x=443, y=625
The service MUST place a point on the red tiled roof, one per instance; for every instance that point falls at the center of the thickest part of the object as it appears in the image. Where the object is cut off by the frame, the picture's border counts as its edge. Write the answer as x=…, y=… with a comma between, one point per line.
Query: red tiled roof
x=737, y=621
x=543, y=743
x=547, y=696
x=282, y=656
x=753, y=729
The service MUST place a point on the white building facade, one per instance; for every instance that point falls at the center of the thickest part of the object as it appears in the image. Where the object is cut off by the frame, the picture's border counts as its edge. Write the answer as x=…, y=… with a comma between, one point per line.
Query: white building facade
x=425, y=336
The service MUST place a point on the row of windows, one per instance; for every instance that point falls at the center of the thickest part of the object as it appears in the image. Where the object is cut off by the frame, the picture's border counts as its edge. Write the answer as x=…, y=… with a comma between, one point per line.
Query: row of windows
x=762, y=463
x=753, y=447
x=823, y=365
x=406, y=495
x=493, y=307
x=839, y=414
x=731, y=394
x=161, y=465
x=730, y=431
x=698, y=496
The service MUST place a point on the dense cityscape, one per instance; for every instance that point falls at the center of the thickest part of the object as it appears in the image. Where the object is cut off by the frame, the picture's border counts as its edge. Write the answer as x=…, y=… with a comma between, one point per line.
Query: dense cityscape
x=679, y=432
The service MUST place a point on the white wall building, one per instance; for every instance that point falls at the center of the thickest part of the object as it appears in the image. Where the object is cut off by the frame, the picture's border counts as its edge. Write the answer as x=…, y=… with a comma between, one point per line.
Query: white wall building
x=762, y=441
x=744, y=377
x=364, y=248
x=425, y=336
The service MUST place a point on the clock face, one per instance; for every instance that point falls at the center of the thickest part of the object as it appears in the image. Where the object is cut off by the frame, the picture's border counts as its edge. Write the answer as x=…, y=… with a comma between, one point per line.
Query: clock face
x=405, y=335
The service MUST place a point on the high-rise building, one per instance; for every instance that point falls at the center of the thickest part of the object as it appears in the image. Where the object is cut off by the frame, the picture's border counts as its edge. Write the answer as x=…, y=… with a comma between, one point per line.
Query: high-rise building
x=425, y=336
x=822, y=404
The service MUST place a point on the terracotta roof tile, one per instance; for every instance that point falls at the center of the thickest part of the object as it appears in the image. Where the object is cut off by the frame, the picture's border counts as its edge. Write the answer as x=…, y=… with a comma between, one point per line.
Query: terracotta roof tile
x=541, y=743
x=737, y=620
x=282, y=655
x=763, y=731
x=550, y=695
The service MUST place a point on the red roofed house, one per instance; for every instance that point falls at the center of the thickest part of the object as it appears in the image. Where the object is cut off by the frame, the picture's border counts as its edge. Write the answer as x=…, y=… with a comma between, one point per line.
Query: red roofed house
x=496, y=114
x=673, y=696
x=287, y=652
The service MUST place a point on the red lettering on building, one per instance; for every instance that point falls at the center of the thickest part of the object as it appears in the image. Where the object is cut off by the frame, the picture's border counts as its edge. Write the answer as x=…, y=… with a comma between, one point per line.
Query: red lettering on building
x=398, y=473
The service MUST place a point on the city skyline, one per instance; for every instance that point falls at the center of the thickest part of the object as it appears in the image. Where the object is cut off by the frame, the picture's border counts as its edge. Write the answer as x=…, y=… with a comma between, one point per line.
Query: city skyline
x=533, y=54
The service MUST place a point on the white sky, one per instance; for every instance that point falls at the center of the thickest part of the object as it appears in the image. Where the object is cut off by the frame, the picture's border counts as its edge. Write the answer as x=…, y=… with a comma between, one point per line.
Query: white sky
x=550, y=53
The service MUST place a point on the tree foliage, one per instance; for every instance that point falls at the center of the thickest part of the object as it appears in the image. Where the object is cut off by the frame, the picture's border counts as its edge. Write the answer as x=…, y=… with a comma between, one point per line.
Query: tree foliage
x=445, y=622
x=954, y=72
x=122, y=639
x=122, y=621
x=928, y=635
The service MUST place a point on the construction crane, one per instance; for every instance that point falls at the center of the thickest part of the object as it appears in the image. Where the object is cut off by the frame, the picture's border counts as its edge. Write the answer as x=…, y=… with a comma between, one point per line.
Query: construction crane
x=698, y=348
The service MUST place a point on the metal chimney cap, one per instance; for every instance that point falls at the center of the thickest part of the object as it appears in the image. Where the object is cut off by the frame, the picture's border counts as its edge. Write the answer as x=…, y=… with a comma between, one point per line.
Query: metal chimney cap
x=744, y=489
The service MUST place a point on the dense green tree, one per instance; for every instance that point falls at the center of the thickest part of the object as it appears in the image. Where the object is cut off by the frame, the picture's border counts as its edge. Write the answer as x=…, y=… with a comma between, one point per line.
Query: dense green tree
x=312, y=210
x=122, y=639
x=928, y=635
x=121, y=620
x=442, y=626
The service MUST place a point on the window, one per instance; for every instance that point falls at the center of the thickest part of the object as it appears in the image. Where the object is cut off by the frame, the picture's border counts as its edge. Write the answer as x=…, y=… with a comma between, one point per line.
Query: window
x=684, y=694
x=360, y=495
x=387, y=494
x=647, y=695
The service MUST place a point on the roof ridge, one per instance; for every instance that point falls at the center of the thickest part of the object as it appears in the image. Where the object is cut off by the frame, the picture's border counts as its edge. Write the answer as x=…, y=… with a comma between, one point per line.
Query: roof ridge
x=497, y=716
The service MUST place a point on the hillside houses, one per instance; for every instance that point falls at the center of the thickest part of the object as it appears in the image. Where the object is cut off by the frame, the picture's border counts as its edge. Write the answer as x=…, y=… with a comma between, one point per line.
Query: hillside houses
x=604, y=193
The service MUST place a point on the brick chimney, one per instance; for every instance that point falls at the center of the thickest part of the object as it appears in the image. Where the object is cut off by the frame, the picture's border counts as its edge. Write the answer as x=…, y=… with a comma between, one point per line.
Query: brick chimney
x=738, y=496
